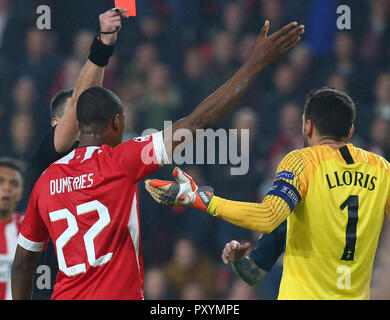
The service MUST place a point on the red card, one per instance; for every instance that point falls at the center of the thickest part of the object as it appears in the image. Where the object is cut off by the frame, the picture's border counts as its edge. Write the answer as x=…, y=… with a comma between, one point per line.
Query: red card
x=127, y=4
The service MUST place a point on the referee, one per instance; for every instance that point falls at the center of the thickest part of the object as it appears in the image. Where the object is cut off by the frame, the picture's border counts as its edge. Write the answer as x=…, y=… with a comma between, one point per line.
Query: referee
x=62, y=137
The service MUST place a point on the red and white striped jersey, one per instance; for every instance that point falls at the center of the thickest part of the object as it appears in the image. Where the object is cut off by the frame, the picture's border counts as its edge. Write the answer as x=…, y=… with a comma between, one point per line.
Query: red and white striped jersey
x=9, y=231
x=87, y=202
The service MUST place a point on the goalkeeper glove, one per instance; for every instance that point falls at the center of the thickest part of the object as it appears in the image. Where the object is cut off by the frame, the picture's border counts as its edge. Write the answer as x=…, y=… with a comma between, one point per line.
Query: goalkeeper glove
x=182, y=192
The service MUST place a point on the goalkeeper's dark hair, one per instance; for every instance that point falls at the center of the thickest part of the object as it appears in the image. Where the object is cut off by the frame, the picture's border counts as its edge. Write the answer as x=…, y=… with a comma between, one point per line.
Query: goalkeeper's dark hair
x=58, y=103
x=332, y=112
x=96, y=107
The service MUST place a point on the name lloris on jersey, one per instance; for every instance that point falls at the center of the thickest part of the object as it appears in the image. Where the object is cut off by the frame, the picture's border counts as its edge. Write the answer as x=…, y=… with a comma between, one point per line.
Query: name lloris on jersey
x=347, y=178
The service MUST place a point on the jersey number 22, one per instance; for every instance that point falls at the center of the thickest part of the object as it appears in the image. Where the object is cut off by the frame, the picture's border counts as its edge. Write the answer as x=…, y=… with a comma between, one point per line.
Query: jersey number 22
x=90, y=235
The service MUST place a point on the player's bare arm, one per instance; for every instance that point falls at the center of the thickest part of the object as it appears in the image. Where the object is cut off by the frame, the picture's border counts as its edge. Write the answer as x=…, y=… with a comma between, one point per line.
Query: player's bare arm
x=268, y=50
x=91, y=75
x=22, y=273
x=243, y=266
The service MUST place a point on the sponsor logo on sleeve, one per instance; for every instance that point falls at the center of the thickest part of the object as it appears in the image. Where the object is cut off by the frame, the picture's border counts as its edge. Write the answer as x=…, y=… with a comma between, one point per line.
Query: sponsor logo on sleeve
x=288, y=175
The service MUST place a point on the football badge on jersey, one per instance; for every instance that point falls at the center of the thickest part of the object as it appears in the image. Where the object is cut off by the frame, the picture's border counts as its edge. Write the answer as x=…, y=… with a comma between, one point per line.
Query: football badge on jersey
x=141, y=139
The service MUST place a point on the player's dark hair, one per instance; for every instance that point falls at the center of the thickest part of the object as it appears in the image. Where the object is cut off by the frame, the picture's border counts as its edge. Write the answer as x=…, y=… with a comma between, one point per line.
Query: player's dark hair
x=332, y=112
x=12, y=164
x=58, y=103
x=97, y=106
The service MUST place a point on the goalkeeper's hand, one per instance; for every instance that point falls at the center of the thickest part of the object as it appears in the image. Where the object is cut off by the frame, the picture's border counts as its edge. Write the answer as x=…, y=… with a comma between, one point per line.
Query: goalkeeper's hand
x=184, y=192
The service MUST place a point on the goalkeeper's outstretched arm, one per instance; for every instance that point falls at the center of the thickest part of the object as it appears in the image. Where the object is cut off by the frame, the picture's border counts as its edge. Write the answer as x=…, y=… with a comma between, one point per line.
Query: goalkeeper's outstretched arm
x=289, y=187
x=261, y=217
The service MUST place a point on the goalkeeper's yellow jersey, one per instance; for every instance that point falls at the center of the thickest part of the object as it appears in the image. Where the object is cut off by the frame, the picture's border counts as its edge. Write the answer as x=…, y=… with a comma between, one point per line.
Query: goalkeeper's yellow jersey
x=333, y=231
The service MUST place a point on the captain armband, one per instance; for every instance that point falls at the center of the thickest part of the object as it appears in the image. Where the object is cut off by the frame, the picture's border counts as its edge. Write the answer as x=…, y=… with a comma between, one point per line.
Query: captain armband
x=285, y=191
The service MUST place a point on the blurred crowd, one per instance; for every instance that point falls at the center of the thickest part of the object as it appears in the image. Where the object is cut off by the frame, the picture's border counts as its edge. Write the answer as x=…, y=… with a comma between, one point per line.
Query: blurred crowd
x=167, y=60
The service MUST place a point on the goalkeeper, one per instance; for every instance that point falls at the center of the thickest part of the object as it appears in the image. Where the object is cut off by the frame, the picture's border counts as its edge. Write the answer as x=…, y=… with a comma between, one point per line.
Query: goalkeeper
x=338, y=194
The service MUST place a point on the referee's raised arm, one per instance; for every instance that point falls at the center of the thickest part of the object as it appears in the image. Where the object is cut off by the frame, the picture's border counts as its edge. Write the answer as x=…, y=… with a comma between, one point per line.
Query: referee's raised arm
x=91, y=75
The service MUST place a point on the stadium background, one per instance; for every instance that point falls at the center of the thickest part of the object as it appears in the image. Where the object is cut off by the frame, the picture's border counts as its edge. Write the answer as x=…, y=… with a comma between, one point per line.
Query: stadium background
x=167, y=60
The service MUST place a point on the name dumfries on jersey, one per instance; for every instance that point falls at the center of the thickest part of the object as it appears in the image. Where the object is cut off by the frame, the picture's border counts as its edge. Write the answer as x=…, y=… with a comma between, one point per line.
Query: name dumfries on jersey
x=68, y=184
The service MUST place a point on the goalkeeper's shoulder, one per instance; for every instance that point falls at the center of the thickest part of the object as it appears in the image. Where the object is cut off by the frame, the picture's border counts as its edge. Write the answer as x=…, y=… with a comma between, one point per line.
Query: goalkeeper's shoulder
x=302, y=163
x=303, y=157
x=312, y=156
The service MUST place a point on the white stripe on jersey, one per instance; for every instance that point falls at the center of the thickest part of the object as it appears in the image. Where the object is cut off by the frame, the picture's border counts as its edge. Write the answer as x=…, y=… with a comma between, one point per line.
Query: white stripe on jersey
x=11, y=234
x=133, y=227
x=66, y=159
x=89, y=152
x=6, y=259
x=159, y=148
x=30, y=245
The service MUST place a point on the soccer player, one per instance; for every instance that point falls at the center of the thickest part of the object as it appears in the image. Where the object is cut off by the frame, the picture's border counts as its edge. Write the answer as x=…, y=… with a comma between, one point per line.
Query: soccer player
x=334, y=195
x=62, y=137
x=11, y=190
x=87, y=202
x=253, y=268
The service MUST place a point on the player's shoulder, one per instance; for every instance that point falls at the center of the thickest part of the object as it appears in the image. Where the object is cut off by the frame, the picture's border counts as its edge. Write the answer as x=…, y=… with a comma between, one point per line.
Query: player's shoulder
x=316, y=154
x=308, y=157
x=300, y=157
x=52, y=169
x=41, y=182
x=133, y=144
x=141, y=139
x=150, y=149
x=362, y=155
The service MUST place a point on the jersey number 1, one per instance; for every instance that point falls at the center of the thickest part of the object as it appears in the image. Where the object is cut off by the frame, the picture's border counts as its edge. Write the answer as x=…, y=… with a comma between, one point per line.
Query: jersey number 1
x=89, y=236
x=352, y=203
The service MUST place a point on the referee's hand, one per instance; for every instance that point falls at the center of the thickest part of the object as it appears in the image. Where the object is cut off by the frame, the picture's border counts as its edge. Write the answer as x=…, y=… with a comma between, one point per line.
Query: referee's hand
x=234, y=251
x=110, y=25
